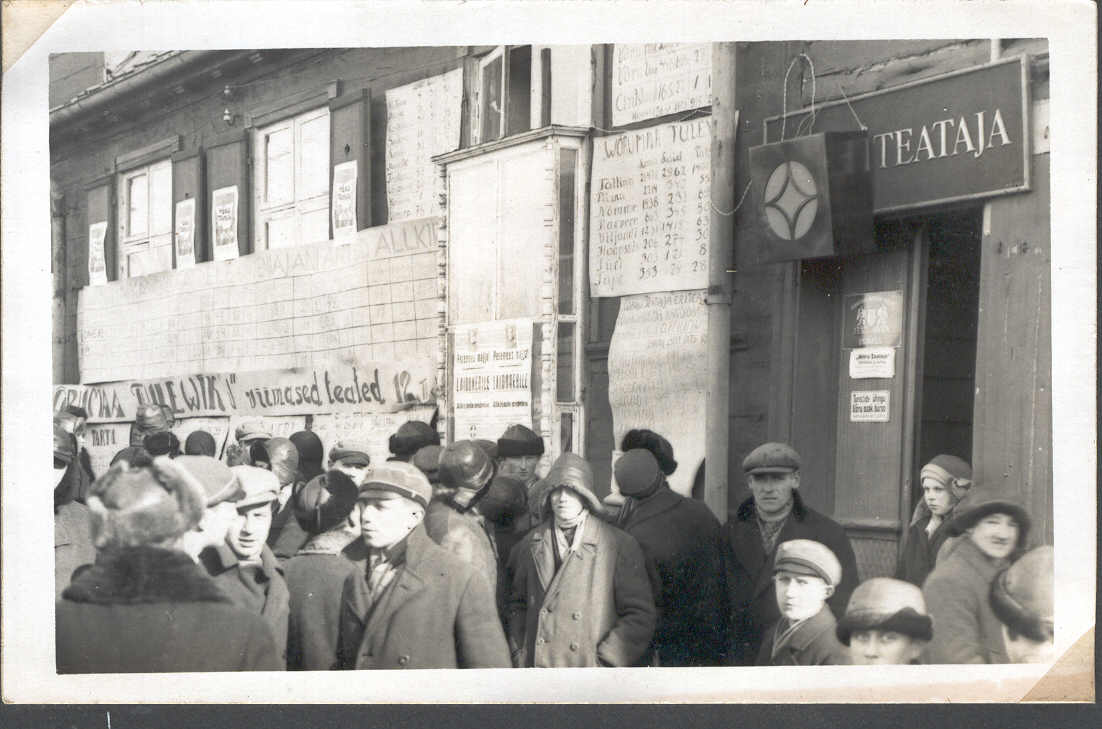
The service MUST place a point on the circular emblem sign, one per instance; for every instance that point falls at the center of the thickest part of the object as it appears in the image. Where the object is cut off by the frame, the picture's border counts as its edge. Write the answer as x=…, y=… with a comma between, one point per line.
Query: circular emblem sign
x=791, y=201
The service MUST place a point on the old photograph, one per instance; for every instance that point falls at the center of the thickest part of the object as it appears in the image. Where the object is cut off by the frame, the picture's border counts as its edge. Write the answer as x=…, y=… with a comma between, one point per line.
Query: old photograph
x=718, y=356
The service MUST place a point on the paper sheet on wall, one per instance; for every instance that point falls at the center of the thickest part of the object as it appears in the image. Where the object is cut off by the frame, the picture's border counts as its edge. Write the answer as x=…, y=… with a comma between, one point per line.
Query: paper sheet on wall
x=492, y=377
x=185, y=233
x=652, y=79
x=97, y=259
x=224, y=223
x=373, y=429
x=344, y=201
x=658, y=374
x=422, y=120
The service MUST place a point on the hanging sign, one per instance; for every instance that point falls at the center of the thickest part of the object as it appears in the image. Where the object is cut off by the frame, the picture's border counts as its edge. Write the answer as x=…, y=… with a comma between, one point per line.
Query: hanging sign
x=872, y=363
x=869, y=406
x=97, y=259
x=224, y=223
x=492, y=377
x=185, y=233
x=653, y=79
x=344, y=201
x=873, y=319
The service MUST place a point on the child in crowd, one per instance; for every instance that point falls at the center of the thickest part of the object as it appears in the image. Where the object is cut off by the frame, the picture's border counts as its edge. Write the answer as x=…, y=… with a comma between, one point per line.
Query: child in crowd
x=945, y=480
x=885, y=623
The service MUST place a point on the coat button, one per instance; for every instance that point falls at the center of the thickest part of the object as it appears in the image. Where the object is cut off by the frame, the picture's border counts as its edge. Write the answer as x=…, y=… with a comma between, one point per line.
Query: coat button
x=403, y=660
x=576, y=615
x=573, y=646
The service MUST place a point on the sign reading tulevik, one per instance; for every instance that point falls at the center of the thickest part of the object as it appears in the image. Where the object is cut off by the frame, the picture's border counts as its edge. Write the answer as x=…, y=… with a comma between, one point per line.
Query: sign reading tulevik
x=959, y=136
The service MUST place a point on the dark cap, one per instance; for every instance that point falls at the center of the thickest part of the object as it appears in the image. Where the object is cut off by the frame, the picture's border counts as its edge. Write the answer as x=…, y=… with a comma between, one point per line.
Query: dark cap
x=637, y=472
x=351, y=452
x=310, y=448
x=464, y=465
x=772, y=458
x=518, y=440
x=653, y=442
x=324, y=502
x=982, y=501
x=427, y=459
x=200, y=443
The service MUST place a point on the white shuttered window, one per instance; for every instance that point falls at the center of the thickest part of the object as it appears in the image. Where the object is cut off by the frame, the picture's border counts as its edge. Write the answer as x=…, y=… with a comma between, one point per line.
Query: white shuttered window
x=291, y=181
x=145, y=220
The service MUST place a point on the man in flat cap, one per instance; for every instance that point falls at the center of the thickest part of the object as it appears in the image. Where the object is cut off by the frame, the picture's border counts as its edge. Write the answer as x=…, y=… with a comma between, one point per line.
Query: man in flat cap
x=246, y=434
x=773, y=514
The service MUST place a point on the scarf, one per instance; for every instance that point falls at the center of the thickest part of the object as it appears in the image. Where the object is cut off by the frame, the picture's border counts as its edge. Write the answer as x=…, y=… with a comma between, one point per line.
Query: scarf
x=770, y=529
x=382, y=566
x=566, y=544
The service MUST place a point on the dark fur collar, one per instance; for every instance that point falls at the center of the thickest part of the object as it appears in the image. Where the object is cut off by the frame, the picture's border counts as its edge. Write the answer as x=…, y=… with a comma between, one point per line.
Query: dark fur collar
x=746, y=509
x=138, y=575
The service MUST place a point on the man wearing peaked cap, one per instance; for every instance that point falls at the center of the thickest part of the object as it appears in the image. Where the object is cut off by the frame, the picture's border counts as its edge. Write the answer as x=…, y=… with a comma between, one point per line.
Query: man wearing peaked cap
x=245, y=435
x=221, y=489
x=414, y=604
x=350, y=458
x=150, y=418
x=885, y=623
x=775, y=513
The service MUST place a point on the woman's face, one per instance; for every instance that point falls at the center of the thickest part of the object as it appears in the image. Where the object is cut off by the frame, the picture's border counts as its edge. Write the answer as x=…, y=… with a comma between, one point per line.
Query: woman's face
x=565, y=504
x=996, y=535
x=938, y=497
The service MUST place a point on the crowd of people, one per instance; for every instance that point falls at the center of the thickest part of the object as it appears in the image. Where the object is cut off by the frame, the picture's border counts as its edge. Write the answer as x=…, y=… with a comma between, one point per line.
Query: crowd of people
x=279, y=554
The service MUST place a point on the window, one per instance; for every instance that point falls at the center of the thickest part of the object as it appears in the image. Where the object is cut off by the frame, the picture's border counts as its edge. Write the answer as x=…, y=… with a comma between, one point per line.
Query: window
x=145, y=220
x=504, y=94
x=291, y=182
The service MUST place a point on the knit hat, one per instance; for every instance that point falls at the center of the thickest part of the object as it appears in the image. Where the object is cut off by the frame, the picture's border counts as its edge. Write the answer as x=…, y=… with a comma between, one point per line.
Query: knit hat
x=428, y=460
x=218, y=481
x=886, y=604
x=400, y=478
x=251, y=430
x=489, y=446
x=807, y=557
x=65, y=445
x=162, y=443
x=133, y=506
x=517, y=440
x=656, y=444
x=952, y=472
x=351, y=452
x=637, y=473
x=149, y=419
x=772, y=458
x=412, y=435
x=259, y=485
x=200, y=443
x=324, y=502
x=1022, y=596
x=283, y=460
x=981, y=501
x=568, y=471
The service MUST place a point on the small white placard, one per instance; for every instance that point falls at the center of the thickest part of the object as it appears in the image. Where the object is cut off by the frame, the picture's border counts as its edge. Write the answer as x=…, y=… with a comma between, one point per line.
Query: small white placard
x=870, y=406
x=97, y=258
x=185, y=233
x=344, y=201
x=224, y=223
x=872, y=362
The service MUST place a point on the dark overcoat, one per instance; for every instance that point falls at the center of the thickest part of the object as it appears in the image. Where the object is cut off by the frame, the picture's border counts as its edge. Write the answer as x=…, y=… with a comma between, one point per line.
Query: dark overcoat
x=315, y=579
x=684, y=546
x=464, y=534
x=221, y=564
x=812, y=643
x=750, y=579
x=149, y=610
x=919, y=554
x=436, y=613
x=72, y=543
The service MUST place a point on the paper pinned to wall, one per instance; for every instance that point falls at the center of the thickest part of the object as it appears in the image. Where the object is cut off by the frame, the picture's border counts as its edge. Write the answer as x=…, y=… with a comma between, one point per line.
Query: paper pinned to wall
x=653, y=79
x=185, y=233
x=344, y=201
x=658, y=374
x=224, y=223
x=97, y=259
x=492, y=377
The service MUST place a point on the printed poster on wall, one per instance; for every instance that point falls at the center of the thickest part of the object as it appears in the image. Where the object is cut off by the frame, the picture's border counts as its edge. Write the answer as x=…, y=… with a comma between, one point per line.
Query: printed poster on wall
x=658, y=374
x=224, y=223
x=492, y=380
x=97, y=258
x=344, y=201
x=874, y=319
x=869, y=406
x=650, y=210
x=185, y=233
x=872, y=363
x=653, y=79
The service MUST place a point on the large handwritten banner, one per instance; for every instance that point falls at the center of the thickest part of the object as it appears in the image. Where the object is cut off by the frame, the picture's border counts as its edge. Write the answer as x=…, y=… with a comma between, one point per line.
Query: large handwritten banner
x=346, y=384
x=492, y=383
x=658, y=374
x=422, y=120
x=653, y=79
x=649, y=212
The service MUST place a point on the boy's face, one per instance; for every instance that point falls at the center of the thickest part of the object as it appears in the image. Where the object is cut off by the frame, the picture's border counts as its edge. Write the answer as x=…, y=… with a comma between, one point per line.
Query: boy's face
x=800, y=596
x=882, y=648
x=386, y=518
x=938, y=498
x=355, y=471
x=249, y=531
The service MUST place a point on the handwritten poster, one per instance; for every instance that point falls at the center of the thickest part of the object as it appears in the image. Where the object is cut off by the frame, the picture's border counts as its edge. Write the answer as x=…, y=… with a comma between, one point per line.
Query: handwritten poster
x=650, y=214
x=492, y=380
x=372, y=429
x=185, y=233
x=870, y=406
x=224, y=223
x=653, y=79
x=344, y=201
x=97, y=258
x=658, y=374
x=422, y=120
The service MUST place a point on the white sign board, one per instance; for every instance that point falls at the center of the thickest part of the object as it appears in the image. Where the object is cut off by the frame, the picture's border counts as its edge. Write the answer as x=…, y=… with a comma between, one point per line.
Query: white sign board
x=344, y=201
x=422, y=120
x=653, y=79
x=492, y=382
x=97, y=258
x=869, y=406
x=184, y=234
x=871, y=363
x=658, y=374
x=649, y=211
x=223, y=223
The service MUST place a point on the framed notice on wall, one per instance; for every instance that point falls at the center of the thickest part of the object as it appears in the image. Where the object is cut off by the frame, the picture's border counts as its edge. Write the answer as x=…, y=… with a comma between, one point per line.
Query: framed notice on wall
x=223, y=226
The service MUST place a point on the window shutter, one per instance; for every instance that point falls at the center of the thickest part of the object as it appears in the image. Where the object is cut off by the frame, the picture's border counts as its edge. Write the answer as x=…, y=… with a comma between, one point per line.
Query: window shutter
x=187, y=183
x=227, y=164
x=100, y=206
x=350, y=136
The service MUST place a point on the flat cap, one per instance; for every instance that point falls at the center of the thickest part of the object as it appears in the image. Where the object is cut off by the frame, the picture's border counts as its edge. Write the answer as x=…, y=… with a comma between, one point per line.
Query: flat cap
x=352, y=452
x=260, y=486
x=772, y=458
x=808, y=557
x=218, y=481
x=400, y=478
x=251, y=430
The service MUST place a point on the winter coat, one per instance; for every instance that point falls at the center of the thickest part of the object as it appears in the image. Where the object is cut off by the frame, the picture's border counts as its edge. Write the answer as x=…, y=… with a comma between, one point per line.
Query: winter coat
x=286, y=537
x=920, y=550
x=750, y=579
x=72, y=543
x=149, y=610
x=222, y=565
x=464, y=534
x=683, y=544
x=966, y=629
x=436, y=613
x=596, y=610
x=315, y=578
x=812, y=643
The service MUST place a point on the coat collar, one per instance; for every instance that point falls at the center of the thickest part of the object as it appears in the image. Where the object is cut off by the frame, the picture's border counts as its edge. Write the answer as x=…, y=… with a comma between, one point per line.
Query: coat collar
x=137, y=575
x=222, y=559
x=408, y=582
x=542, y=547
x=658, y=503
x=748, y=512
x=807, y=632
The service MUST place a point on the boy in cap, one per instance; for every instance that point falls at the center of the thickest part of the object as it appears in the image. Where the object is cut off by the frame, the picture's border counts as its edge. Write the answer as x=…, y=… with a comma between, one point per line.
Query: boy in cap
x=804, y=574
x=412, y=436
x=945, y=480
x=415, y=605
x=1022, y=598
x=325, y=510
x=773, y=514
x=221, y=489
x=72, y=522
x=885, y=623
x=244, y=566
x=350, y=458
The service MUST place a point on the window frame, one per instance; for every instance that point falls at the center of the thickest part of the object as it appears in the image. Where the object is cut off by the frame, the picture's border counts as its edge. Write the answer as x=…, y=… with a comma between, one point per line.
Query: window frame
x=148, y=240
x=502, y=53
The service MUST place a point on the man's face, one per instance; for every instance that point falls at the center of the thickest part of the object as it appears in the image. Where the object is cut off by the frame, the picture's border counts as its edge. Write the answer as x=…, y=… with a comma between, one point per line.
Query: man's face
x=249, y=530
x=773, y=491
x=1021, y=649
x=386, y=518
x=938, y=498
x=996, y=535
x=522, y=468
x=800, y=596
x=355, y=471
x=882, y=648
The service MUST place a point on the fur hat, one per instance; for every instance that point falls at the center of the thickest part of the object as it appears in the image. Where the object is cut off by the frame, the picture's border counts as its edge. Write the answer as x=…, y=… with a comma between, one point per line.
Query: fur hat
x=883, y=603
x=153, y=504
x=400, y=478
x=518, y=440
x=568, y=471
x=324, y=502
x=656, y=444
x=504, y=500
x=808, y=557
x=134, y=455
x=1022, y=595
x=412, y=436
x=200, y=443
